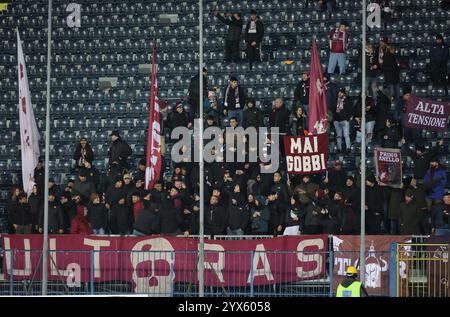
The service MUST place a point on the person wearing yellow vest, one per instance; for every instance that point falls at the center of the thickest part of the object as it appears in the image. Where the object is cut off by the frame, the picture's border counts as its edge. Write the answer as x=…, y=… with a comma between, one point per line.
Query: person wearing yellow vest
x=350, y=287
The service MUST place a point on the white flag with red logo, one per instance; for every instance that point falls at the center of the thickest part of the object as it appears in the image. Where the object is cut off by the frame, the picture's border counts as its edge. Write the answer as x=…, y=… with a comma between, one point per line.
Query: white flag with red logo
x=29, y=135
x=154, y=158
x=317, y=123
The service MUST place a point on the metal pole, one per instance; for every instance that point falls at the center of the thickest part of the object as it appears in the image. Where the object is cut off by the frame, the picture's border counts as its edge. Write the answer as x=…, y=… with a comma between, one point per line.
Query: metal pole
x=201, y=268
x=362, y=253
x=47, y=154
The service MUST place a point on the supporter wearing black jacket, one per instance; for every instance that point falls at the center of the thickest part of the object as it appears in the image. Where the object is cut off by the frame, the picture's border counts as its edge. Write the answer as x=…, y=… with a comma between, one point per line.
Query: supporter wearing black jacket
x=179, y=118
x=277, y=210
x=21, y=217
x=313, y=213
x=69, y=208
x=194, y=91
x=335, y=219
x=148, y=221
x=36, y=203
x=253, y=117
x=298, y=122
x=293, y=215
x=391, y=135
x=170, y=213
x=254, y=34
x=190, y=216
x=280, y=188
x=215, y=218
x=39, y=175
x=55, y=216
x=374, y=206
x=121, y=218
x=336, y=177
x=157, y=192
x=421, y=158
x=115, y=193
x=233, y=38
x=83, y=153
x=237, y=215
x=301, y=93
x=279, y=117
x=439, y=56
x=98, y=215
x=120, y=150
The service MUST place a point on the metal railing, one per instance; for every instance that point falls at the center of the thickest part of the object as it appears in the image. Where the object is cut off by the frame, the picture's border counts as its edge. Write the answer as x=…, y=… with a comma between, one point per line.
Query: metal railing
x=157, y=273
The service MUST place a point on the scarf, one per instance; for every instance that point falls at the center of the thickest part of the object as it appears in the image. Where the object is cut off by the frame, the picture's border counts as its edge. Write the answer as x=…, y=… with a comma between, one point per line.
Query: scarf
x=340, y=104
x=236, y=96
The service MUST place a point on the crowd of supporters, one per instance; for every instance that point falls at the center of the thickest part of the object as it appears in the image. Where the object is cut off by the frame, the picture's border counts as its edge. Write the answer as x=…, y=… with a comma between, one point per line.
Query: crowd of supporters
x=239, y=197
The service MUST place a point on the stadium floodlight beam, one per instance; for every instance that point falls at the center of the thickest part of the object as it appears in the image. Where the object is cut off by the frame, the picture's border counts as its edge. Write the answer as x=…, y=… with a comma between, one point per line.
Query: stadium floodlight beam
x=201, y=246
x=362, y=244
x=47, y=154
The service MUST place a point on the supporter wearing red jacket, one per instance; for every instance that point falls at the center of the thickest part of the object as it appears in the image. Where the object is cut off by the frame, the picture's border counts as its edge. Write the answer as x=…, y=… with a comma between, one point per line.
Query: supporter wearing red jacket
x=138, y=205
x=80, y=224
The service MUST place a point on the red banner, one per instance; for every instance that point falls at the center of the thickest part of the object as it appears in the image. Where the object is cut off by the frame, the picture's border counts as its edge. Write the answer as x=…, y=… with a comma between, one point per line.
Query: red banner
x=306, y=154
x=346, y=253
x=154, y=263
x=388, y=164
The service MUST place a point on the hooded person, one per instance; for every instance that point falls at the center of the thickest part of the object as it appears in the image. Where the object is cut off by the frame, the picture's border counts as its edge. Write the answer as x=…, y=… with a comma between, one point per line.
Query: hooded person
x=253, y=116
x=439, y=56
x=120, y=150
x=80, y=224
x=121, y=217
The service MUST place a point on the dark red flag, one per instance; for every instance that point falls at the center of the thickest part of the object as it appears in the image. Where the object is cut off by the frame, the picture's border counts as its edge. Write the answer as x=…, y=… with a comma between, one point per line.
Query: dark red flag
x=317, y=95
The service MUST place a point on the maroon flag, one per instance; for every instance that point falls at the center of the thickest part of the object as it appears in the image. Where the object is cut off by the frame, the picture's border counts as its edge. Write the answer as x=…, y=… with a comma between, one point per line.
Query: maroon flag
x=426, y=114
x=154, y=158
x=317, y=95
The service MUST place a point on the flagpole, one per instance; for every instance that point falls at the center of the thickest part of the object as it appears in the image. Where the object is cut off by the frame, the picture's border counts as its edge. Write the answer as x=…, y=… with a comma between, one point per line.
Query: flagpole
x=201, y=268
x=362, y=244
x=47, y=154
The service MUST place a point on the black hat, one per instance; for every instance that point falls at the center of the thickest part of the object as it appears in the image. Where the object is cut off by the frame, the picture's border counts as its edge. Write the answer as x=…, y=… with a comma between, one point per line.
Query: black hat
x=142, y=162
x=435, y=159
x=407, y=89
x=40, y=159
x=66, y=195
x=439, y=37
x=371, y=179
x=344, y=23
x=210, y=117
x=253, y=11
x=116, y=133
x=118, y=179
x=135, y=193
x=350, y=178
x=251, y=100
x=233, y=78
x=83, y=173
x=420, y=148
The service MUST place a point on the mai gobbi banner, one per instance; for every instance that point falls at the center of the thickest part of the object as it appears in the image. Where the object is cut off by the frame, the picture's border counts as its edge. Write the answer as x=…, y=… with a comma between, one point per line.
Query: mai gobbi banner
x=306, y=154
x=388, y=164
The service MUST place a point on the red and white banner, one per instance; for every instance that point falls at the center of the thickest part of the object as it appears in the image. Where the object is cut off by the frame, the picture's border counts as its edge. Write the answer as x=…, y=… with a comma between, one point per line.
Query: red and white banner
x=29, y=135
x=388, y=165
x=346, y=253
x=154, y=158
x=155, y=263
x=306, y=154
x=317, y=122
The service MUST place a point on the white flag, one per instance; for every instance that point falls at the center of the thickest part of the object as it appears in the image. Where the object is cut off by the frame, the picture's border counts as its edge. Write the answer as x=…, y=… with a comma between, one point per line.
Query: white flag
x=29, y=135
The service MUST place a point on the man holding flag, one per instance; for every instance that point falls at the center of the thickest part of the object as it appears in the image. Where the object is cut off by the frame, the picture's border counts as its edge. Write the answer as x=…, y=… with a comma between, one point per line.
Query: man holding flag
x=29, y=135
x=154, y=158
